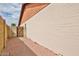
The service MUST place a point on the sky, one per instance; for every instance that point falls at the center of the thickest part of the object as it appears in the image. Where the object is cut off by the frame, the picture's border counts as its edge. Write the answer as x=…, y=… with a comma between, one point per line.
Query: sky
x=10, y=12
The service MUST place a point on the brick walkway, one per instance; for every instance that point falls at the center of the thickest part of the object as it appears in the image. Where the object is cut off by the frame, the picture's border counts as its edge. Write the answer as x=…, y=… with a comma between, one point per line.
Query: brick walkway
x=25, y=47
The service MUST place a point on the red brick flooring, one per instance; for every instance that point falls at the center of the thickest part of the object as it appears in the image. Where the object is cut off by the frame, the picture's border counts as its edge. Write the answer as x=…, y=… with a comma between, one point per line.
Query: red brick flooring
x=25, y=47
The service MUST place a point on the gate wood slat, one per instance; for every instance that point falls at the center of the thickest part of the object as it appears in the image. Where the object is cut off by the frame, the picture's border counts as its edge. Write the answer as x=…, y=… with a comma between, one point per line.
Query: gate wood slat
x=20, y=31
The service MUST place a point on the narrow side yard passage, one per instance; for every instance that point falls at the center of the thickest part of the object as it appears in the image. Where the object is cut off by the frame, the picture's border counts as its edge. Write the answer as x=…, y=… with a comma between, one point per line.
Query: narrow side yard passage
x=25, y=47
x=15, y=47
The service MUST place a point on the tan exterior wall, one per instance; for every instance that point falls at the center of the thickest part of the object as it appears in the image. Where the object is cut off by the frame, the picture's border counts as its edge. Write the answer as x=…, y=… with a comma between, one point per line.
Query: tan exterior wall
x=57, y=28
x=2, y=34
x=13, y=31
x=5, y=33
x=9, y=32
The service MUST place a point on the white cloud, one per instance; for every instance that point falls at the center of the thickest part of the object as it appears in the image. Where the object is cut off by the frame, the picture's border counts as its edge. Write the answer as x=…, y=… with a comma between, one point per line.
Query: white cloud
x=10, y=12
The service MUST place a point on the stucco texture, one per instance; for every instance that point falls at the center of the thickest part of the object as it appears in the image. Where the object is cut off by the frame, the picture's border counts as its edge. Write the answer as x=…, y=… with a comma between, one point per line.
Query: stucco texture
x=57, y=28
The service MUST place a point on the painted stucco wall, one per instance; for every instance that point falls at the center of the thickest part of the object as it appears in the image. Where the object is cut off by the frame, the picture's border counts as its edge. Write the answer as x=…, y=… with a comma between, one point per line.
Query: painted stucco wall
x=8, y=33
x=5, y=33
x=2, y=35
x=57, y=28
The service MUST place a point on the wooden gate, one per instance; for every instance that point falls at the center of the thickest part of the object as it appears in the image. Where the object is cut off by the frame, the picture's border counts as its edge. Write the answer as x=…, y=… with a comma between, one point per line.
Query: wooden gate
x=20, y=31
